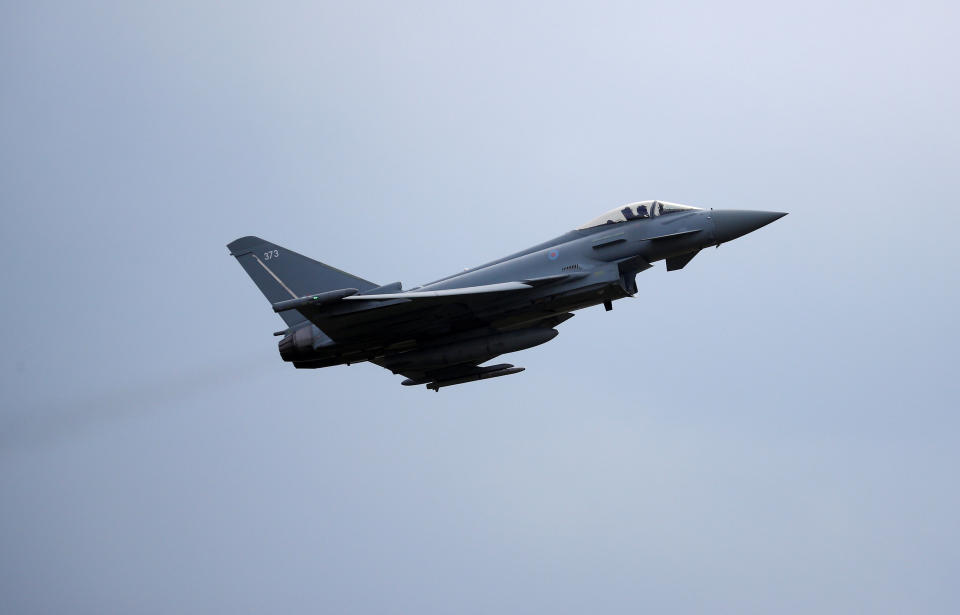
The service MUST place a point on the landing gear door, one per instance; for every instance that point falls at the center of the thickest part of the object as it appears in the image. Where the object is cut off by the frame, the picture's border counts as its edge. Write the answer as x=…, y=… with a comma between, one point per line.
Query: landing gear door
x=629, y=269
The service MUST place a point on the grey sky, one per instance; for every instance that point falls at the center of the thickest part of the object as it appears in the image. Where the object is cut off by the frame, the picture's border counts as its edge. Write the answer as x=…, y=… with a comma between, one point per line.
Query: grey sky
x=771, y=429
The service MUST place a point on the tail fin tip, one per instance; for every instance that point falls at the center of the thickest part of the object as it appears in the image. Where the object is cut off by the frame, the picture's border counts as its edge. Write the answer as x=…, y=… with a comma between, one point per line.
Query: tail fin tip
x=244, y=245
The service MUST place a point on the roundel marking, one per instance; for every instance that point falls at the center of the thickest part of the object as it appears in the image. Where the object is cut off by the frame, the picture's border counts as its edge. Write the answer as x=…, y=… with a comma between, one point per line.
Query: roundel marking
x=553, y=254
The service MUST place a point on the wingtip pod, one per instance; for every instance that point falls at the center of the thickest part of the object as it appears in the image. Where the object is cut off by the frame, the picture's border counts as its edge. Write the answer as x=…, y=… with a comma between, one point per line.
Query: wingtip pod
x=314, y=300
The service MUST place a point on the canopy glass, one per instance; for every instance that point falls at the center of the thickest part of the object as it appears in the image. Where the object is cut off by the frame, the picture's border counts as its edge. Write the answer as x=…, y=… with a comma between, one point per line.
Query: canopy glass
x=636, y=211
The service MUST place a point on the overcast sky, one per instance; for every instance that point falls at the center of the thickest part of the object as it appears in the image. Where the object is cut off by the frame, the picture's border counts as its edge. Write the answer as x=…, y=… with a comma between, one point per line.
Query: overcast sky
x=772, y=429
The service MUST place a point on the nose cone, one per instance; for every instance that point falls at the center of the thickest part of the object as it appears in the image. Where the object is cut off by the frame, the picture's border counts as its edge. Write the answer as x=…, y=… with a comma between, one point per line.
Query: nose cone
x=732, y=223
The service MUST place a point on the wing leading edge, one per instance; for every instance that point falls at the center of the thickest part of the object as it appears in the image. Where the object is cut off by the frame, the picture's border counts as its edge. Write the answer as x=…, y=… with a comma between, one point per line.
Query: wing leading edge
x=450, y=292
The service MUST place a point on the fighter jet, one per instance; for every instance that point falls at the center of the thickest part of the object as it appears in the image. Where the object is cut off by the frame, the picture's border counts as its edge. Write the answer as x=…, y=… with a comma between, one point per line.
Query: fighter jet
x=440, y=333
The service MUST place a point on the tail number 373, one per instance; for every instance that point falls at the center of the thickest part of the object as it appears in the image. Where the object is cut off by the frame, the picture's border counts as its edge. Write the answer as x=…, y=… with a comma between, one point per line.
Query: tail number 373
x=271, y=254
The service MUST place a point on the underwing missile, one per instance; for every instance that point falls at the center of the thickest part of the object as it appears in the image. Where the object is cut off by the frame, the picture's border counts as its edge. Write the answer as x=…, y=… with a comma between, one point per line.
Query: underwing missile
x=436, y=386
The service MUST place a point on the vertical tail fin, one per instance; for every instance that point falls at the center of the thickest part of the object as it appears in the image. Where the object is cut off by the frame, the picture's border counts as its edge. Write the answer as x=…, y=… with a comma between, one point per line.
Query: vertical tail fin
x=282, y=274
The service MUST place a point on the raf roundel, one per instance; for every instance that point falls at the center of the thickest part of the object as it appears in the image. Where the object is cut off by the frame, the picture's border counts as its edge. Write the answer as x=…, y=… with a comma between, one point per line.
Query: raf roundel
x=552, y=255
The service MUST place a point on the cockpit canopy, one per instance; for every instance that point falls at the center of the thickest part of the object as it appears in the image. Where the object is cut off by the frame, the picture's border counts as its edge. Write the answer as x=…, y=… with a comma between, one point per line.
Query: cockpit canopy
x=634, y=211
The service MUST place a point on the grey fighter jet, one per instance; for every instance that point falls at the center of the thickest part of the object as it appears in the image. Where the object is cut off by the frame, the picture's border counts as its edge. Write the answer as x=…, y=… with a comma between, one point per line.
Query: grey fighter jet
x=438, y=334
